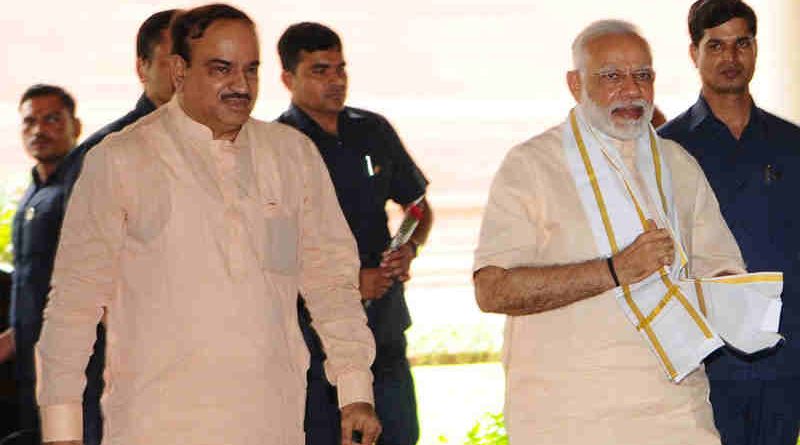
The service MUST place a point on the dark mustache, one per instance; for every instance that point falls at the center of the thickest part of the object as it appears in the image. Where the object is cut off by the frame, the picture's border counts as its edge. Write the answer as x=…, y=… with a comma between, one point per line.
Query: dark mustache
x=736, y=66
x=236, y=96
x=41, y=138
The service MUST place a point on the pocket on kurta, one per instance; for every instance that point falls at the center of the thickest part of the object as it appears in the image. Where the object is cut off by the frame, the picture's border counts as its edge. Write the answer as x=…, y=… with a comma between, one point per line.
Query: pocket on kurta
x=280, y=240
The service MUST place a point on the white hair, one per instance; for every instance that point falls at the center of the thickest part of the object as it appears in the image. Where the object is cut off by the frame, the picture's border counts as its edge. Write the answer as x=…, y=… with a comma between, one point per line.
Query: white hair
x=598, y=29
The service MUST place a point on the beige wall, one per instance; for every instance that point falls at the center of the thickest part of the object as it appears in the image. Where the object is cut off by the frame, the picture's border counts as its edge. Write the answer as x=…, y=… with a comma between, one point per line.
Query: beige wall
x=459, y=78
x=789, y=36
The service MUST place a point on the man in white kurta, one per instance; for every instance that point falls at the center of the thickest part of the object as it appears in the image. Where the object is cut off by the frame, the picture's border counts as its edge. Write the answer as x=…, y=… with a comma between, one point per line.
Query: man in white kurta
x=577, y=371
x=194, y=229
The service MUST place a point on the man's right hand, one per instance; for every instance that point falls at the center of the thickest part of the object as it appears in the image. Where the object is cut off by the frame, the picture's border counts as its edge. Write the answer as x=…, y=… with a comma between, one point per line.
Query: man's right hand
x=372, y=283
x=650, y=251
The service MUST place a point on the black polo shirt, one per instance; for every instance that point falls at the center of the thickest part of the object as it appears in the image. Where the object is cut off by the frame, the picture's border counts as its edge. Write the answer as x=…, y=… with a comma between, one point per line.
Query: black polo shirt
x=35, y=233
x=756, y=179
x=368, y=165
x=364, y=138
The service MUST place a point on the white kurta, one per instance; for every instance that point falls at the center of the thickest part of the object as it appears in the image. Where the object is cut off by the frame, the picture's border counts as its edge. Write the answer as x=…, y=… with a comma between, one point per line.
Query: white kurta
x=197, y=249
x=581, y=374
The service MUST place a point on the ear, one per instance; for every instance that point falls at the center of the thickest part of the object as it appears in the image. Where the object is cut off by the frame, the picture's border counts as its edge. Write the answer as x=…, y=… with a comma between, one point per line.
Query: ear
x=693, y=53
x=141, y=65
x=77, y=126
x=288, y=79
x=575, y=84
x=178, y=71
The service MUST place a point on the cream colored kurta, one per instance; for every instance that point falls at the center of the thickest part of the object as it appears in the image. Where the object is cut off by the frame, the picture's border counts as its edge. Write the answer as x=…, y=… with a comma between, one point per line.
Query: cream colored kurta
x=197, y=249
x=581, y=374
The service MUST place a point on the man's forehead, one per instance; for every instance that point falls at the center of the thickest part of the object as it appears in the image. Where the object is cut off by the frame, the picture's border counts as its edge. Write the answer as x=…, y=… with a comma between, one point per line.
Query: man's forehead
x=322, y=56
x=621, y=50
x=42, y=104
x=733, y=29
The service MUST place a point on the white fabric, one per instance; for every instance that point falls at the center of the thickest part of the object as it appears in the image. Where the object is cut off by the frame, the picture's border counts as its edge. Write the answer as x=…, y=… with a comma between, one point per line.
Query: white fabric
x=745, y=309
x=664, y=308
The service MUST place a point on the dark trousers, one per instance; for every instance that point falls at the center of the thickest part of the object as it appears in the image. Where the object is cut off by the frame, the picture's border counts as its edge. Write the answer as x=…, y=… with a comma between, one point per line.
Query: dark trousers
x=92, y=415
x=395, y=402
x=757, y=412
x=26, y=390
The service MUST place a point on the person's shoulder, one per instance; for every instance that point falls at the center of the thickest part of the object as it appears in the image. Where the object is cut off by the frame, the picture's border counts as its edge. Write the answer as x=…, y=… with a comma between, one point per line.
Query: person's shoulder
x=677, y=127
x=132, y=138
x=783, y=126
x=680, y=159
x=280, y=138
x=281, y=129
x=366, y=119
x=540, y=153
x=363, y=114
x=540, y=145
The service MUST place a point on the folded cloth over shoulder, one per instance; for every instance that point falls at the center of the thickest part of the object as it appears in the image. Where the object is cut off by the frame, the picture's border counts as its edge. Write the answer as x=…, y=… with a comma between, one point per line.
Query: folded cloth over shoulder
x=682, y=320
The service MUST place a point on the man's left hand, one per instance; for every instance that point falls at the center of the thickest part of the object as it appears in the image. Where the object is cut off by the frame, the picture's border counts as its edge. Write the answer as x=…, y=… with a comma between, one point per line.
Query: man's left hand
x=396, y=264
x=360, y=416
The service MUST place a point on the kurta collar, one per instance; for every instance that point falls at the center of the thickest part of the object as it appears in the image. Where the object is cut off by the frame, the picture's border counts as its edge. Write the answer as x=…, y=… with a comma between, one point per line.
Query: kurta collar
x=190, y=130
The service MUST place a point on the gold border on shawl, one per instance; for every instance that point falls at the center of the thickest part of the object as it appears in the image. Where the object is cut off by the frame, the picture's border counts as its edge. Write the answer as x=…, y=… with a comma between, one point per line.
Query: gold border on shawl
x=614, y=248
x=701, y=299
x=659, y=307
x=759, y=278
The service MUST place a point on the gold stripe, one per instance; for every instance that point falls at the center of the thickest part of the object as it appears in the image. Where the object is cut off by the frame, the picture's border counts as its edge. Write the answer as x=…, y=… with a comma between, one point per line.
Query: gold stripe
x=613, y=242
x=659, y=183
x=657, y=165
x=759, y=278
x=695, y=316
x=659, y=307
x=701, y=299
x=598, y=196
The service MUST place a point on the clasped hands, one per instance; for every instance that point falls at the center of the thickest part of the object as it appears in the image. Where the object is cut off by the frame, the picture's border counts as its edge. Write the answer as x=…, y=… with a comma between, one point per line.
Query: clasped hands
x=395, y=265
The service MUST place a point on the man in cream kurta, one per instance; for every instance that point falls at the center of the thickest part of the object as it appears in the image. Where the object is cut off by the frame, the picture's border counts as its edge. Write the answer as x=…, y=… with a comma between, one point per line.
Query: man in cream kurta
x=577, y=371
x=194, y=229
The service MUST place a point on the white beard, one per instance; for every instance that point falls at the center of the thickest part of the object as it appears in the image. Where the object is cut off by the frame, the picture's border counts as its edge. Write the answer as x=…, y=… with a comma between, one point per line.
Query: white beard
x=602, y=119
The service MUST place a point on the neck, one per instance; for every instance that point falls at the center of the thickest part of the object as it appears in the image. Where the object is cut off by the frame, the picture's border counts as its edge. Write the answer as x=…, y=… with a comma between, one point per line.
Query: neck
x=152, y=97
x=216, y=133
x=329, y=122
x=44, y=170
x=225, y=135
x=732, y=109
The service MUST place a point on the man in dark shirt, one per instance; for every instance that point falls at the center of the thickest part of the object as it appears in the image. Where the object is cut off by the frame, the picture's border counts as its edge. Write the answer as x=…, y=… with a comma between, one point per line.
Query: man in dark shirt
x=368, y=166
x=153, y=48
x=49, y=131
x=752, y=160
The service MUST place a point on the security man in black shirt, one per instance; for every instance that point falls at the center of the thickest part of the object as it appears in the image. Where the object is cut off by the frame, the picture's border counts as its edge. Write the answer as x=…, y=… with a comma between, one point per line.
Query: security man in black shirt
x=368, y=166
x=49, y=131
